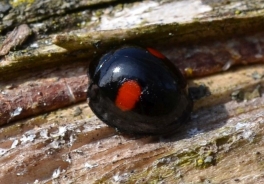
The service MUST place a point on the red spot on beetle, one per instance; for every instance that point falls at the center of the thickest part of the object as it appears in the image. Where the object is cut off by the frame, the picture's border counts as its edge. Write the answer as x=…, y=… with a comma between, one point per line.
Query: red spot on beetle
x=128, y=95
x=156, y=53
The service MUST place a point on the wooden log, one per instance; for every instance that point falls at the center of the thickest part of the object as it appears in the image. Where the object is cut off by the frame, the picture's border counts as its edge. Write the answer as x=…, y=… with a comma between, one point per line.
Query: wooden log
x=59, y=140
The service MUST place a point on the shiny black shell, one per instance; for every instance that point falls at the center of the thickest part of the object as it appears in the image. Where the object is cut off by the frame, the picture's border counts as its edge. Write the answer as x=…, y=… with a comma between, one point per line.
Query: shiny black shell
x=164, y=103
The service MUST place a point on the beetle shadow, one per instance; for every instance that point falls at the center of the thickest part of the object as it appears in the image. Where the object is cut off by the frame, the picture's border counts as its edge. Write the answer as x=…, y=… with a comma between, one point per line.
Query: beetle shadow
x=202, y=120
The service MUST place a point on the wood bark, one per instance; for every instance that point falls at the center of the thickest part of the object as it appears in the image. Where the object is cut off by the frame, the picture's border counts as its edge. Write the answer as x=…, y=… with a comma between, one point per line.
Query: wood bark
x=50, y=135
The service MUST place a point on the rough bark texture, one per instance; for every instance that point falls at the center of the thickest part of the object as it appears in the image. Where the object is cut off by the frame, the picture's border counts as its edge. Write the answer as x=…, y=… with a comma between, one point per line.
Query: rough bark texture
x=48, y=132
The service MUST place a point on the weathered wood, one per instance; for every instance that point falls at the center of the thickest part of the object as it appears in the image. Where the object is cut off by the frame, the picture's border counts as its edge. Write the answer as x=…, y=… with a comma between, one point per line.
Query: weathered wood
x=221, y=144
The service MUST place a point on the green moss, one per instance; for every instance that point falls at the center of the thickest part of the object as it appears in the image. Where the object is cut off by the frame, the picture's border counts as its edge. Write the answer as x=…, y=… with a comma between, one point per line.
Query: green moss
x=170, y=167
x=16, y=3
x=237, y=12
x=98, y=13
x=205, y=160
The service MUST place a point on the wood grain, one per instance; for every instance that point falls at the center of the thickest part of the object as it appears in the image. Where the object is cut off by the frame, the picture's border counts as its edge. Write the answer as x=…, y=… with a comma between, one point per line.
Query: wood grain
x=49, y=134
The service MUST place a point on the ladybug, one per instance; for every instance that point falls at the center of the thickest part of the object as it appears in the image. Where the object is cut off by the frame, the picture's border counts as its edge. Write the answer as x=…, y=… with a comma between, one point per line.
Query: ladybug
x=138, y=91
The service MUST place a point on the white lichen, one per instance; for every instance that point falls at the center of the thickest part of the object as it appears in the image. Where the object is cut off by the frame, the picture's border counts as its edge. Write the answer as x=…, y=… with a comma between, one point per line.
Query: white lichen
x=27, y=138
x=3, y=151
x=14, y=144
x=16, y=112
x=90, y=166
x=44, y=134
x=56, y=173
x=61, y=132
